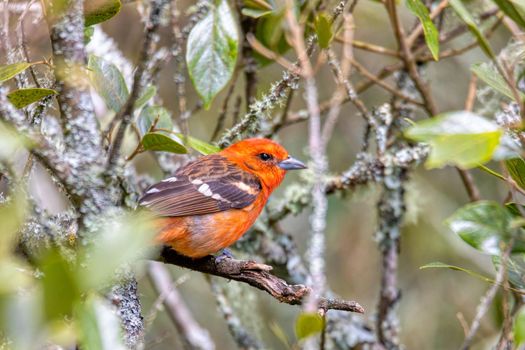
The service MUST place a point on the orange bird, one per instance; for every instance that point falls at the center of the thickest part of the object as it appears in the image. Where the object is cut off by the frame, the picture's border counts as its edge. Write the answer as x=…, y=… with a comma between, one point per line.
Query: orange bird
x=209, y=203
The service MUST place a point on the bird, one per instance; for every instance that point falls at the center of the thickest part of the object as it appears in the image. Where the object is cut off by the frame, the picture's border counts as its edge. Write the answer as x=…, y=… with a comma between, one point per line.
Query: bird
x=209, y=203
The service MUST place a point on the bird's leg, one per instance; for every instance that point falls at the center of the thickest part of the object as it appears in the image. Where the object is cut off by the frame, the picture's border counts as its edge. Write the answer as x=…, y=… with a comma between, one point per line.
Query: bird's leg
x=224, y=254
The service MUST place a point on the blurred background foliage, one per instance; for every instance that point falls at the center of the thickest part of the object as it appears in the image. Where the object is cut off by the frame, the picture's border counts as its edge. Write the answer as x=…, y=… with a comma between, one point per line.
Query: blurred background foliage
x=434, y=301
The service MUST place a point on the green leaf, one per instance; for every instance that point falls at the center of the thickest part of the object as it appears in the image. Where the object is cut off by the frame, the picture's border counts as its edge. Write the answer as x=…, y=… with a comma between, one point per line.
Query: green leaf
x=459, y=138
x=485, y=225
x=23, y=97
x=492, y=78
x=97, y=11
x=508, y=8
x=9, y=71
x=11, y=141
x=516, y=169
x=14, y=275
x=200, y=146
x=212, y=51
x=438, y=264
x=429, y=29
x=308, y=324
x=149, y=115
x=99, y=326
x=108, y=82
x=147, y=94
x=12, y=216
x=122, y=241
x=158, y=141
x=466, y=17
x=57, y=271
x=255, y=13
x=323, y=29
x=88, y=34
x=519, y=328
x=515, y=269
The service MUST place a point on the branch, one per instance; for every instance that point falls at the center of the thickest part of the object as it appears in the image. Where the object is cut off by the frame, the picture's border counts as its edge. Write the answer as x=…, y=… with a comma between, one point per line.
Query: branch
x=258, y=276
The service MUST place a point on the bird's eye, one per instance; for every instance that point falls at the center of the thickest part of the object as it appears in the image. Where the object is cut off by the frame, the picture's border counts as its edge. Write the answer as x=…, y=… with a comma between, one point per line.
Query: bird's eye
x=265, y=156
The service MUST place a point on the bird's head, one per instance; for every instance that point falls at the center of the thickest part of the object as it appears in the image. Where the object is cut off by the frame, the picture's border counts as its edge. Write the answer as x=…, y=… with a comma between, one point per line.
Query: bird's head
x=264, y=158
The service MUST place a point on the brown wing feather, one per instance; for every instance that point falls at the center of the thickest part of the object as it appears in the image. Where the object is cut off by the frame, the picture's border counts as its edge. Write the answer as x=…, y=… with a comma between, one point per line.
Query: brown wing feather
x=208, y=185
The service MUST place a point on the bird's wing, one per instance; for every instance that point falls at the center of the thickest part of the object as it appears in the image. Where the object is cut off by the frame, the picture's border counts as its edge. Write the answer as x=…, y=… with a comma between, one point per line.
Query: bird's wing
x=208, y=185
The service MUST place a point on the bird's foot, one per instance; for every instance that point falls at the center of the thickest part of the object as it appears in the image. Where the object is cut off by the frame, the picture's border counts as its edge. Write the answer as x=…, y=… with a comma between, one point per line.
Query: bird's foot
x=224, y=254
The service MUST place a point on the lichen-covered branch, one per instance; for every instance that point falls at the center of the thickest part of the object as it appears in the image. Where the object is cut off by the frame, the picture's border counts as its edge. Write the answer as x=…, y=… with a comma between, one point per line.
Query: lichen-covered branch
x=258, y=276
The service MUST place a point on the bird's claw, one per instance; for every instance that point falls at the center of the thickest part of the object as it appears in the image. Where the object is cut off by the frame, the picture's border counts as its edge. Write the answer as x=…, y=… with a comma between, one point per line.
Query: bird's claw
x=224, y=254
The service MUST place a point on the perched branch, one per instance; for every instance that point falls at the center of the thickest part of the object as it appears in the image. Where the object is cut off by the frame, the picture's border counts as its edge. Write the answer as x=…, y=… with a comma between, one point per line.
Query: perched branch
x=258, y=276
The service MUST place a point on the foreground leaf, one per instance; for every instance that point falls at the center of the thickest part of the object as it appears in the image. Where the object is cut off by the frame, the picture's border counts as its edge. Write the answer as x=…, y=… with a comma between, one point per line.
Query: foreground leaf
x=11, y=141
x=323, y=30
x=516, y=169
x=459, y=138
x=485, y=225
x=9, y=71
x=12, y=216
x=200, y=146
x=466, y=17
x=24, y=97
x=158, y=141
x=98, y=11
x=108, y=82
x=308, y=324
x=493, y=78
x=212, y=51
x=429, y=29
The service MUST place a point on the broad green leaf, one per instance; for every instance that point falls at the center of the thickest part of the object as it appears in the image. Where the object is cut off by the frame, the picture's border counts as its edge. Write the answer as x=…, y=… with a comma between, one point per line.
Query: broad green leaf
x=9, y=71
x=57, y=271
x=158, y=141
x=519, y=328
x=199, y=145
x=98, y=326
x=308, y=324
x=108, y=82
x=429, y=29
x=459, y=138
x=508, y=8
x=323, y=30
x=466, y=17
x=147, y=94
x=212, y=51
x=23, y=97
x=131, y=235
x=97, y=11
x=438, y=264
x=149, y=115
x=485, y=225
x=492, y=78
x=12, y=216
x=516, y=169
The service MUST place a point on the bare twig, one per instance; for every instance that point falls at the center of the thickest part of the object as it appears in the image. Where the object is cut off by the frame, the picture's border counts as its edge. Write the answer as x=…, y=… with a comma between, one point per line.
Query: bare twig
x=258, y=276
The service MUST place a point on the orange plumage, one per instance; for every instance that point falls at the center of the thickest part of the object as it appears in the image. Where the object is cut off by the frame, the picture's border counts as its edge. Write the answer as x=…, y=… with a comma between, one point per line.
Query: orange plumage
x=209, y=203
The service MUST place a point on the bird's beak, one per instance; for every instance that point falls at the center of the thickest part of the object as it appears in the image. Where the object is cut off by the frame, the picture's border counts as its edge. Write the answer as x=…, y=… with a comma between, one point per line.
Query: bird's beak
x=291, y=164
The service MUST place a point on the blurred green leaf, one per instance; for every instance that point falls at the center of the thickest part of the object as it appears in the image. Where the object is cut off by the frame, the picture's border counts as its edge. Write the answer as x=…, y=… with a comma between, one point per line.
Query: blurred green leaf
x=147, y=95
x=122, y=241
x=99, y=326
x=98, y=11
x=88, y=34
x=14, y=275
x=492, y=78
x=429, y=29
x=158, y=141
x=11, y=141
x=256, y=9
x=466, y=17
x=519, y=327
x=149, y=115
x=485, y=225
x=515, y=269
x=438, y=264
x=212, y=49
x=199, y=145
x=508, y=8
x=516, y=169
x=459, y=138
x=108, y=82
x=60, y=286
x=308, y=324
x=255, y=13
x=23, y=97
x=12, y=216
x=279, y=332
x=9, y=71
x=21, y=319
x=323, y=29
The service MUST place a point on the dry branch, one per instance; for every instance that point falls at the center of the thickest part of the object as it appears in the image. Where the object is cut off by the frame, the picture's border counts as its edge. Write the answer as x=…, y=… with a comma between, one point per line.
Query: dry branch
x=257, y=275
